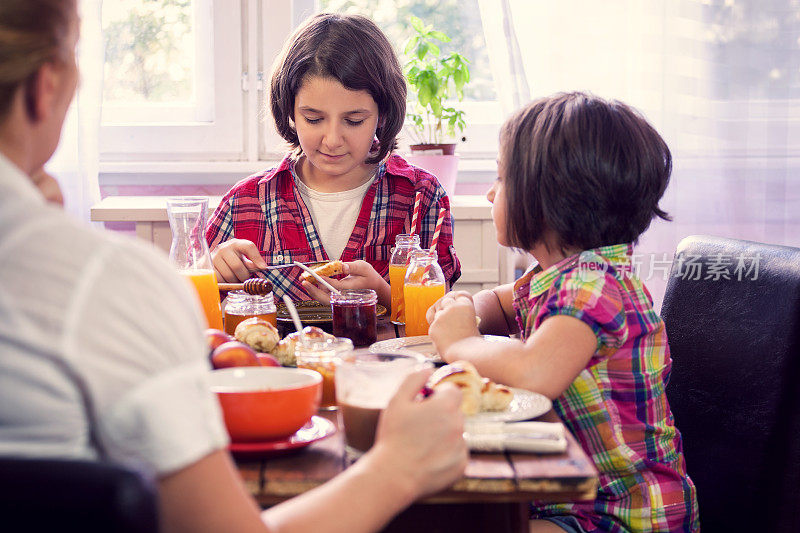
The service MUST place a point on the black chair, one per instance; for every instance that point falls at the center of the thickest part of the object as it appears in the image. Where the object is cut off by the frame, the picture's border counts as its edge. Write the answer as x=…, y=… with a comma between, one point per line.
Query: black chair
x=735, y=384
x=71, y=495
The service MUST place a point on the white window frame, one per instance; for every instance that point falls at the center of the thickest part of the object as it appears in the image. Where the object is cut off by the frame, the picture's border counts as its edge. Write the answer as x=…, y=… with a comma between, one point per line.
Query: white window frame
x=222, y=135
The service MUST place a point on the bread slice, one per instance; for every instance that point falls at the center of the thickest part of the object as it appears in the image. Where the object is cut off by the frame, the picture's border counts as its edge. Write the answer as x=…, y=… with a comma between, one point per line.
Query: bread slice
x=332, y=268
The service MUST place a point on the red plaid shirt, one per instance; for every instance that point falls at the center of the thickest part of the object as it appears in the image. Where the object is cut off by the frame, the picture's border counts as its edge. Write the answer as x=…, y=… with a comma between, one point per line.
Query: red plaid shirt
x=267, y=209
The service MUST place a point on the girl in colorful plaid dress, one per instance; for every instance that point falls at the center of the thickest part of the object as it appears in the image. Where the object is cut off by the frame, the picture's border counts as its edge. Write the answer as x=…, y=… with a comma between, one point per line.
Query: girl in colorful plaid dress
x=338, y=97
x=579, y=180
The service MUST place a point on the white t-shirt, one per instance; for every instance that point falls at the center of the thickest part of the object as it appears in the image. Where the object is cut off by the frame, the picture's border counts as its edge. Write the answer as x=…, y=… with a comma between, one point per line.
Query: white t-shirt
x=334, y=214
x=101, y=345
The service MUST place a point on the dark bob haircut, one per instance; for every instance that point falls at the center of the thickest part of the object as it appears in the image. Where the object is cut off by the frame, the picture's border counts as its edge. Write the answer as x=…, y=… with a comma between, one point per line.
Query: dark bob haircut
x=352, y=50
x=589, y=170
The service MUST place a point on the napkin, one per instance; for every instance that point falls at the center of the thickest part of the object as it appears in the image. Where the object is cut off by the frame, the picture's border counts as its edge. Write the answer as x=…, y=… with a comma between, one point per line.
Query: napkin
x=534, y=437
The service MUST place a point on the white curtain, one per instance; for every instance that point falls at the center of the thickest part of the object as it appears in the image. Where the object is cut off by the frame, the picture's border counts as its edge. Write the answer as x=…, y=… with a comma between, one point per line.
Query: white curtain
x=75, y=163
x=720, y=79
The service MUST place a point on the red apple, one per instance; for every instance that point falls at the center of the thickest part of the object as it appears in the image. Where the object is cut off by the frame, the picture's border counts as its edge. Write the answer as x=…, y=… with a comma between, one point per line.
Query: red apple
x=233, y=353
x=267, y=359
x=216, y=337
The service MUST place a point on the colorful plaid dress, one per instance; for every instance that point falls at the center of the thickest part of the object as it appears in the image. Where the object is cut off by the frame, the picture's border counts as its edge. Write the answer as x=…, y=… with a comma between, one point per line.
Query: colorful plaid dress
x=267, y=209
x=616, y=407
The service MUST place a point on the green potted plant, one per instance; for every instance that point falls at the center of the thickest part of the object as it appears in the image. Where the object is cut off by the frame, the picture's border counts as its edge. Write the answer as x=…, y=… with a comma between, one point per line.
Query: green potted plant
x=434, y=80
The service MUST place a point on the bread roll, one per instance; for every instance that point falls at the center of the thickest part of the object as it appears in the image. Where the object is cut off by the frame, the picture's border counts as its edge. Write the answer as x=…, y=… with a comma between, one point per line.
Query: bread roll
x=495, y=397
x=332, y=268
x=284, y=350
x=257, y=333
x=463, y=375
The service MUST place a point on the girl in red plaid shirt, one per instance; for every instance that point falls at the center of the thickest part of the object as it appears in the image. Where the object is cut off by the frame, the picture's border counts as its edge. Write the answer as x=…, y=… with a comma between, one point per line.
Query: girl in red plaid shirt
x=338, y=98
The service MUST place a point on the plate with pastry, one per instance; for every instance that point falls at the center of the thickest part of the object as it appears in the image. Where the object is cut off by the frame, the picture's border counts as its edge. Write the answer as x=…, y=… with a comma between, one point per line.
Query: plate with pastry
x=486, y=401
x=422, y=344
x=311, y=312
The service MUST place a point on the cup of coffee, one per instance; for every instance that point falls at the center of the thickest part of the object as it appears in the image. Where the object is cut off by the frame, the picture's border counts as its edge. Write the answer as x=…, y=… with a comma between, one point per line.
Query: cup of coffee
x=365, y=382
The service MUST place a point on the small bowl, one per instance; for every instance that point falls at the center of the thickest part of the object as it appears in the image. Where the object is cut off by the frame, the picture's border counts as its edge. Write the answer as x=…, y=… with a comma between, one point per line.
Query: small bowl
x=266, y=403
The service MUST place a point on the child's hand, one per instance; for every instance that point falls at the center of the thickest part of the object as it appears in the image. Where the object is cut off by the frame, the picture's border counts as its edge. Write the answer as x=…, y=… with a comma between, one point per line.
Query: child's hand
x=452, y=319
x=358, y=275
x=233, y=260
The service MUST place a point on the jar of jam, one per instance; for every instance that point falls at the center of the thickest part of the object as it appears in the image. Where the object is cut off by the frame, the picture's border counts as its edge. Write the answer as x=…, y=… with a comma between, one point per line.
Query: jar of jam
x=239, y=305
x=354, y=315
x=322, y=355
x=405, y=244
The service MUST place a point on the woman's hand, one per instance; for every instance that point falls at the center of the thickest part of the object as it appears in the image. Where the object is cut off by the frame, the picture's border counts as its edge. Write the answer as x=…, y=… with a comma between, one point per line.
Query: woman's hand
x=358, y=275
x=452, y=318
x=234, y=260
x=421, y=441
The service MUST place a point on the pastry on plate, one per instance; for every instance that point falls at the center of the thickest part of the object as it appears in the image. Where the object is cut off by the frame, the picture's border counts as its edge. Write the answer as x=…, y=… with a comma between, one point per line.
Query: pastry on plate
x=257, y=333
x=284, y=350
x=495, y=397
x=463, y=375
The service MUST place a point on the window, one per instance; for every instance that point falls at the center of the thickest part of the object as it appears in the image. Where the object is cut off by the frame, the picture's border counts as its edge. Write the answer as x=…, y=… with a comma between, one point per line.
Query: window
x=172, y=85
x=461, y=20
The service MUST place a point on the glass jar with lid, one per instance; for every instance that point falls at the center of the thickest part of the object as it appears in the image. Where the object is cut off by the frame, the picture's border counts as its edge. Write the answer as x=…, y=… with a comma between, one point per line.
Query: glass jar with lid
x=354, y=314
x=239, y=305
x=405, y=245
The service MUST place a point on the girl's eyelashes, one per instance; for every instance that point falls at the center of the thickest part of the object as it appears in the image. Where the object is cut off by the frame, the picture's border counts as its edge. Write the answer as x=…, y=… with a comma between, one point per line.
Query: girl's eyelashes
x=347, y=121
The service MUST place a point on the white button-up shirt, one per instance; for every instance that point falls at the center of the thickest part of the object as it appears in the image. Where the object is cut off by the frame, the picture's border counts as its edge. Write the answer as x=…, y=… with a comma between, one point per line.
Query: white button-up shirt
x=101, y=345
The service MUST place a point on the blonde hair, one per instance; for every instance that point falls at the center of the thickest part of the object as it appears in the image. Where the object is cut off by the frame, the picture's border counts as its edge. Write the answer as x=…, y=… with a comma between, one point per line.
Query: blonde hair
x=32, y=32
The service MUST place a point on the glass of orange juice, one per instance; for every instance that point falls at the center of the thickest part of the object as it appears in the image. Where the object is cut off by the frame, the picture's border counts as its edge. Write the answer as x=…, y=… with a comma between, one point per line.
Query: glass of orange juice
x=189, y=252
x=423, y=286
x=405, y=244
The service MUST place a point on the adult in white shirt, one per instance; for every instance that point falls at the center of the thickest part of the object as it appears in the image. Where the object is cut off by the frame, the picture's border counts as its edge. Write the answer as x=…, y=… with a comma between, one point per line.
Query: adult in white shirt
x=101, y=346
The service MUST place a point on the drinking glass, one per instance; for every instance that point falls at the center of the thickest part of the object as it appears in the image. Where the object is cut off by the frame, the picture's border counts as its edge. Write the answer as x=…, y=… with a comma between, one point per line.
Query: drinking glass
x=365, y=382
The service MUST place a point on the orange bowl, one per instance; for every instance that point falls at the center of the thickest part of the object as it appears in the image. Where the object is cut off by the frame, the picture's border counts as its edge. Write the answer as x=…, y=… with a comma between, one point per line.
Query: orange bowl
x=266, y=403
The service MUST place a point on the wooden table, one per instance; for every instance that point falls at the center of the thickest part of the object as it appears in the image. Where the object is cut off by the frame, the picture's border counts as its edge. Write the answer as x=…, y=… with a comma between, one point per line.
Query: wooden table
x=492, y=496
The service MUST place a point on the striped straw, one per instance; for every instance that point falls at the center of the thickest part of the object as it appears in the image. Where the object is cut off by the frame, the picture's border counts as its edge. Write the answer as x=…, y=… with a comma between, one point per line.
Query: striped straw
x=415, y=214
x=438, y=229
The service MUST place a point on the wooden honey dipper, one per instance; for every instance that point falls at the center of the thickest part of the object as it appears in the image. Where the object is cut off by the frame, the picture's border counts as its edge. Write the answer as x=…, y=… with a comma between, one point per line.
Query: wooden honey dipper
x=256, y=286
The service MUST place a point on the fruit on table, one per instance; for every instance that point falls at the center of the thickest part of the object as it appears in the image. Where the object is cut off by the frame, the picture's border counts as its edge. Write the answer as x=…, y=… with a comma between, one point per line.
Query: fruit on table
x=233, y=353
x=215, y=337
x=267, y=359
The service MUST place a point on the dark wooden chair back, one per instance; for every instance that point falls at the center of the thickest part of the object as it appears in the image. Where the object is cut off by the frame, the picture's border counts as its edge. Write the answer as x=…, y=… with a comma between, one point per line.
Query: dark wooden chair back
x=72, y=495
x=732, y=313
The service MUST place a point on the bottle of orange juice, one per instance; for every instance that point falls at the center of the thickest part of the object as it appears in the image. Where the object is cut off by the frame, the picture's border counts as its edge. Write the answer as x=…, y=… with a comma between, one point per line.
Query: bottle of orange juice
x=424, y=284
x=189, y=252
x=405, y=244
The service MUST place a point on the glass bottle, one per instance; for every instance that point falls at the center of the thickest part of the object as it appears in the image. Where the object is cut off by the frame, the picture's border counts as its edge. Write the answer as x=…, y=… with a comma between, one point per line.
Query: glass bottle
x=405, y=244
x=424, y=284
x=240, y=305
x=189, y=252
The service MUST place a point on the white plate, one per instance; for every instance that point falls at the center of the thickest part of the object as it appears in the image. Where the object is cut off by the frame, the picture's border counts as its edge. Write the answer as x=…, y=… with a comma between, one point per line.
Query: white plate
x=421, y=344
x=524, y=406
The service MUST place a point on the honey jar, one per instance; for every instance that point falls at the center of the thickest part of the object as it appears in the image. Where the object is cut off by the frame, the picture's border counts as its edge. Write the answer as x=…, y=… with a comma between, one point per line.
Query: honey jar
x=239, y=305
